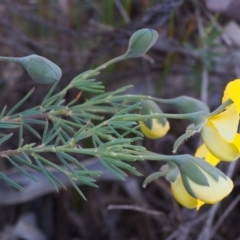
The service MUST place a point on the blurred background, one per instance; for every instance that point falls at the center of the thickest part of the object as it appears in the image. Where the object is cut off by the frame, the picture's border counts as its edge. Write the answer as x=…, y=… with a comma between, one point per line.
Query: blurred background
x=197, y=54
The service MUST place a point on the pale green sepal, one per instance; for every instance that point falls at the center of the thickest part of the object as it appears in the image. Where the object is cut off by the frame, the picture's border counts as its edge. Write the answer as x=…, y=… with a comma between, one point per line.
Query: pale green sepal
x=149, y=107
x=220, y=108
x=155, y=176
x=146, y=111
x=173, y=171
x=140, y=42
x=213, y=171
x=191, y=169
x=187, y=185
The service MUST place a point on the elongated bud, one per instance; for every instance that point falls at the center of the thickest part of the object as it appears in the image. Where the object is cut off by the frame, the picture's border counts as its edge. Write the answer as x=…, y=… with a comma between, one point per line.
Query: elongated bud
x=39, y=68
x=189, y=105
x=156, y=127
x=140, y=42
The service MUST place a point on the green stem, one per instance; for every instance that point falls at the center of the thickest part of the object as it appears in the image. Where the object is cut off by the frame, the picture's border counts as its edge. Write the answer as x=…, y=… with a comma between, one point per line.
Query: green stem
x=138, y=117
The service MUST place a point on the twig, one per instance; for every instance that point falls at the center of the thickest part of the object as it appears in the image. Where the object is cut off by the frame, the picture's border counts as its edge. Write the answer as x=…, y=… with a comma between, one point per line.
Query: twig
x=225, y=214
x=134, y=208
x=175, y=234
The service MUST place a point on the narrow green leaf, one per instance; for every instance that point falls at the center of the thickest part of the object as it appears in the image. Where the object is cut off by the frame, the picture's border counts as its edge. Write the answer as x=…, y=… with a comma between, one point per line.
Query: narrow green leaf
x=57, y=141
x=128, y=109
x=45, y=131
x=66, y=164
x=77, y=188
x=3, y=112
x=30, y=129
x=114, y=170
x=26, y=157
x=11, y=182
x=30, y=112
x=9, y=124
x=50, y=92
x=47, y=174
x=21, y=169
x=5, y=138
x=34, y=121
x=72, y=159
x=20, y=139
x=24, y=162
x=20, y=103
x=50, y=138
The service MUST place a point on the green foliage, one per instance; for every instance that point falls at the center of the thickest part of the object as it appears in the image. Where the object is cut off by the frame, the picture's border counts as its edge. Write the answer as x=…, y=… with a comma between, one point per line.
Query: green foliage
x=108, y=120
x=64, y=126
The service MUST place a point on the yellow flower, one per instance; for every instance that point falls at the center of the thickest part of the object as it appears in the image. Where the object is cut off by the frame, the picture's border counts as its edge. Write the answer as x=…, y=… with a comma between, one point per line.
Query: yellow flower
x=157, y=130
x=156, y=127
x=182, y=196
x=211, y=194
x=202, y=152
x=232, y=92
x=220, y=136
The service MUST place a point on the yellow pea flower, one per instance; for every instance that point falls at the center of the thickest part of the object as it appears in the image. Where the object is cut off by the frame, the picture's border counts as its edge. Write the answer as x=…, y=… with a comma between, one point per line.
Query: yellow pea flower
x=202, y=152
x=232, y=91
x=219, y=133
x=215, y=192
x=211, y=194
x=156, y=127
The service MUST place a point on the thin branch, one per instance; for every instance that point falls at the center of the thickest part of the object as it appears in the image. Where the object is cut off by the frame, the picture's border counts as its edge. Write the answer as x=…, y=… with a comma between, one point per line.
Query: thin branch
x=134, y=208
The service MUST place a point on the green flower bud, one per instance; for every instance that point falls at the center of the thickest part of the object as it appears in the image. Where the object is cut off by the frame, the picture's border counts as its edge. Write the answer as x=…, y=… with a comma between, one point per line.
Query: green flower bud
x=189, y=105
x=140, y=42
x=39, y=68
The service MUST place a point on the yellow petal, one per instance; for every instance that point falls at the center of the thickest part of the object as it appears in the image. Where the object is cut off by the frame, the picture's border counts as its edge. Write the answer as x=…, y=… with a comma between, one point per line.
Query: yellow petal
x=232, y=91
x=202, y=152
x=215, y=192
x=226, y=123
x=217, y=146
x=211, y=159
x=157, y=131
x=236, y=141
x=182, y=196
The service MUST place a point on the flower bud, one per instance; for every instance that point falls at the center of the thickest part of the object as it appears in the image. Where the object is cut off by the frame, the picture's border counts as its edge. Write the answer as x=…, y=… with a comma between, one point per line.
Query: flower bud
x=156, y=127
x=189, y=105
x=39, y=68
x=140, y=42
